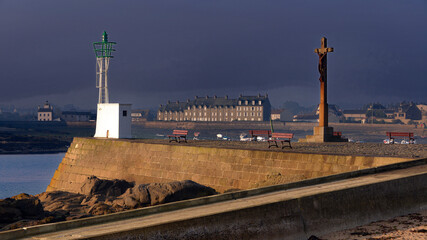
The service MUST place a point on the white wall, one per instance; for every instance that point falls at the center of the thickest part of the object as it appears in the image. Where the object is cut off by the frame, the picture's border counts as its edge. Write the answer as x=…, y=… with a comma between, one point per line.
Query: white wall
x=111, y=122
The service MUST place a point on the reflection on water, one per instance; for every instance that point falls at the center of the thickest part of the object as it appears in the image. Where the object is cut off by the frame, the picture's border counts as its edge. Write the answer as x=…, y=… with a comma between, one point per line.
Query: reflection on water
x=28, y=173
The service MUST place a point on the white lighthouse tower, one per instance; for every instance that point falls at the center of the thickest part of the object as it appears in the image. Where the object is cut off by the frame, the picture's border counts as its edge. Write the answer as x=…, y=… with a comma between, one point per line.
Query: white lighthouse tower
x=113, y=120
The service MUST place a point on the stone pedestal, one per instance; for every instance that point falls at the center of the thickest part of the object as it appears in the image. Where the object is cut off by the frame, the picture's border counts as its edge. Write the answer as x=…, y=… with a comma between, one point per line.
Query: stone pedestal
x=323, y=134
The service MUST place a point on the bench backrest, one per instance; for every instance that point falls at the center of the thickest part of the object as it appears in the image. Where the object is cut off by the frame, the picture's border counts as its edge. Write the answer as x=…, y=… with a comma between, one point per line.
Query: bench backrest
x=180, y=132
x=260, y=132
x=400, y=134
x=337, y=134
x=282, y=135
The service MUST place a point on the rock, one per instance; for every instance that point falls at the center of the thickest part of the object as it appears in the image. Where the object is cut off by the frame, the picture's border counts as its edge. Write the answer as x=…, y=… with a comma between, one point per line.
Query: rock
x=107, y=188
x=22, y=206
x=158, y=193
x=9, y=214
x=100, y=197
x=100, y=209
x=29, y=205
x=53, y=201
x=177, y=191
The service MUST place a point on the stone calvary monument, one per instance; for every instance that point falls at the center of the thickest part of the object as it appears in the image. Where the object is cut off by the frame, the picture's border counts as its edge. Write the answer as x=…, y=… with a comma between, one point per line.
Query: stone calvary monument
x=323, y=133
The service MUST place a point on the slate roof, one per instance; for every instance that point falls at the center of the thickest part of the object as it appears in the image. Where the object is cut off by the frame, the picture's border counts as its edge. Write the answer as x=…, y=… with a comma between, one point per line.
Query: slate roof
x=354, y=112
x=45, y=110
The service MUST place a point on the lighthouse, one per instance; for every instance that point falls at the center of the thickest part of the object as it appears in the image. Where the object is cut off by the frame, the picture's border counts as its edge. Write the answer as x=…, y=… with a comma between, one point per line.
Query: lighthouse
x=113, y=120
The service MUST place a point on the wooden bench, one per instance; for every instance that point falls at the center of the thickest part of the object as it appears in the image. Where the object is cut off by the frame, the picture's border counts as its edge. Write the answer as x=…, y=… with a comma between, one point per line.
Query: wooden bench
x=177, y=135
x=337, y=134
x=259, y=133
x=392, y=135
x=280, y=137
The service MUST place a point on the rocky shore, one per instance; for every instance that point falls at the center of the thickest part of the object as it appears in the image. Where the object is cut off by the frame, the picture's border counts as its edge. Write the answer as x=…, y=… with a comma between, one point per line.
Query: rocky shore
x=11, y=143
x=96, y=197
x=409, y=227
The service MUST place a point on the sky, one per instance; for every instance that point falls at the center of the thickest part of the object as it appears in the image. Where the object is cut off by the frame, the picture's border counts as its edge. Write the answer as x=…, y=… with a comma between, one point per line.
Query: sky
x=174, y=50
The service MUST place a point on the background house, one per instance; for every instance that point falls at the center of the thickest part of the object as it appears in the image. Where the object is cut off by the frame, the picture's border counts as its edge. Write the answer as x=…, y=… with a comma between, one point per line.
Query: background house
x=276, y=114
x=217, y=109
x=140, y=115
x=45, y=113
x=75, y=116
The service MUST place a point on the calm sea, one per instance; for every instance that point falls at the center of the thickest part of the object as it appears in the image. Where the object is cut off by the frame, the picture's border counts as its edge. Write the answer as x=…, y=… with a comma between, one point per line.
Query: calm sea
x=27, y=173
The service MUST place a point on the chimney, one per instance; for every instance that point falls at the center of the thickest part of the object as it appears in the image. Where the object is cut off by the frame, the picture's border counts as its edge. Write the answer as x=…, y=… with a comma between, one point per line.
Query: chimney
x=161, y=105
x=207, y=96
x=195, y=97
x=169, y=101
x=188, y=100
x=240, y=95
x=226, y=97
x=259, y=94
x=177, y=102
x=214, y=96
x=266, y=95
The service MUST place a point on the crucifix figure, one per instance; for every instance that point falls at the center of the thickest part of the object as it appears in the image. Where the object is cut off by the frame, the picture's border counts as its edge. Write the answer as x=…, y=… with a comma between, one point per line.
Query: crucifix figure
x=323, y=107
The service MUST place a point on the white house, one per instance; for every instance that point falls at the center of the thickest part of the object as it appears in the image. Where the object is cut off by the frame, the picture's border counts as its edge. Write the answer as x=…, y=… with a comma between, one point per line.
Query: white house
x=45, y=113
x=113, y=120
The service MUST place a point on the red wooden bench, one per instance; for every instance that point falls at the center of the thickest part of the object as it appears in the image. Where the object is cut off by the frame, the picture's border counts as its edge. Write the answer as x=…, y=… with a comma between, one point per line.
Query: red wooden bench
x=280, y=137
x=177, y=135
x=259, y=133
x=337, y=134
x=392, y=135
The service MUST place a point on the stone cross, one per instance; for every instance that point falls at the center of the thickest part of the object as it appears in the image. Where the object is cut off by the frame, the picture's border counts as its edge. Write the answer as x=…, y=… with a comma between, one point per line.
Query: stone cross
x=323, y=107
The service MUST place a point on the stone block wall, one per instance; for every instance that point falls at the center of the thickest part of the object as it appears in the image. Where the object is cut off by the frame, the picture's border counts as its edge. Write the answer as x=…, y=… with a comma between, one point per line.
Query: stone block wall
x=220, y=168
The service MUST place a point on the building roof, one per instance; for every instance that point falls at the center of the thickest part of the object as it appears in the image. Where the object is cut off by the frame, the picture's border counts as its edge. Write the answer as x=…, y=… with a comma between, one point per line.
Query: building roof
x=306, y=116
x=354, y=112
x=276, y=111
x=45, y=110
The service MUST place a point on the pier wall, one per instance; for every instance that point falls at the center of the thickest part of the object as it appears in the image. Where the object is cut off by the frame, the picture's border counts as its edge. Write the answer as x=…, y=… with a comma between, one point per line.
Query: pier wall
x=220, y=168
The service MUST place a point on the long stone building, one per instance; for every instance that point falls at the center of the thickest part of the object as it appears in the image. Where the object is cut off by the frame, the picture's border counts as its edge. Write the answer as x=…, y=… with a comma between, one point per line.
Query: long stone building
x=217, y=109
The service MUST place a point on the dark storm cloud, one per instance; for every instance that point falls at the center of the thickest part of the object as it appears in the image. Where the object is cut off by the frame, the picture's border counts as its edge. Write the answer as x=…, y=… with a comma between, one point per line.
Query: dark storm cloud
x=176, y=48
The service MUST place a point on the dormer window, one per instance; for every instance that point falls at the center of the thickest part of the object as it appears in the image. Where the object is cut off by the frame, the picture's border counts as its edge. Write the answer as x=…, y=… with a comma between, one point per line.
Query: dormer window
x=253, y=102
x=259, y=102
x=240, y=102
x=246, y=102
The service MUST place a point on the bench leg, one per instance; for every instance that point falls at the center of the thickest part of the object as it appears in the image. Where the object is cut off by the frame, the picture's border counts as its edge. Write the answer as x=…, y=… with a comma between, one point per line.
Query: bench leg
x=275, y=144
x=283, y=144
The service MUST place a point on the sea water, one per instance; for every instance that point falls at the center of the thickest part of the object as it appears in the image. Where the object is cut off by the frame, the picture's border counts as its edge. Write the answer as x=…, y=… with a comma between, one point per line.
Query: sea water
x=27, y=173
